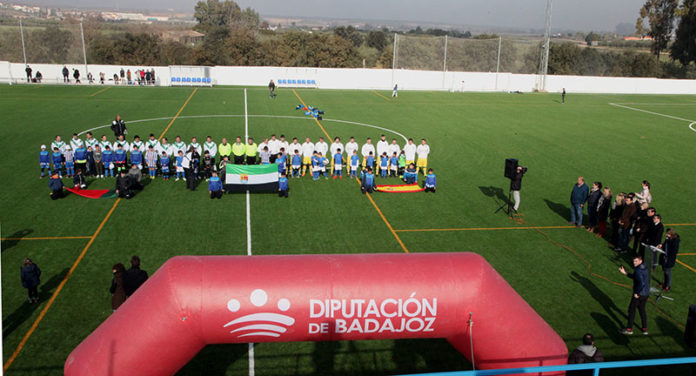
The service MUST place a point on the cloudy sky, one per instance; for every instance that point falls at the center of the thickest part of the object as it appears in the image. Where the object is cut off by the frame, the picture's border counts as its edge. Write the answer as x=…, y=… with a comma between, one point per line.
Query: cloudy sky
x=567, y=14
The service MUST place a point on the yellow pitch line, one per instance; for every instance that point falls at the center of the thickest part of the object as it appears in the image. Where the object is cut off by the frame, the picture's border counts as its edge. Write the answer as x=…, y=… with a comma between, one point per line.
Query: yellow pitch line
x=687, y=254
x=50, y=238
x=100, y=91
x=680, y=224
x=687, y=266
x=483, y=228
x=177, y=114
x=389, y=226
x=58, y=290
x=375, y=91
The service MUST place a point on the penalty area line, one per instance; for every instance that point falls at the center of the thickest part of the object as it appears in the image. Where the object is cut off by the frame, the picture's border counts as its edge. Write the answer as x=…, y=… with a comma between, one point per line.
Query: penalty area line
x=49, y=238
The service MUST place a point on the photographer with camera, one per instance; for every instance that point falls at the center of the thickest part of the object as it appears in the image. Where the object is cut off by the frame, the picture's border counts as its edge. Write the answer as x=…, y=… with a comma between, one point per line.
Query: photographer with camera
x=516, y=185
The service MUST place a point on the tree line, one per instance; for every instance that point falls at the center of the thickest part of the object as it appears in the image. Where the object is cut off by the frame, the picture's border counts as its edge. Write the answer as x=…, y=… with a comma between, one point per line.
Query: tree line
x=234, y=36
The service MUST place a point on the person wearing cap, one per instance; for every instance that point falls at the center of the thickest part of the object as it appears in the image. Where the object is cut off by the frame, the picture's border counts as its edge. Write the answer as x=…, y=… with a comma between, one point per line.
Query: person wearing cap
x=56, y=185
x=44, y=161
x=585, y=353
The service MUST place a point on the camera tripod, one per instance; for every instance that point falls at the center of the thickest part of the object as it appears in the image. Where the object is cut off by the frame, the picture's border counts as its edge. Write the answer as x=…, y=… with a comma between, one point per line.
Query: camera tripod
x=507, y=206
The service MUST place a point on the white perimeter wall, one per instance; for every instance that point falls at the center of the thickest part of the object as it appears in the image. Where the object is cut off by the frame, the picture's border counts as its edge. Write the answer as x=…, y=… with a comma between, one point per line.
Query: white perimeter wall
x=380, y=79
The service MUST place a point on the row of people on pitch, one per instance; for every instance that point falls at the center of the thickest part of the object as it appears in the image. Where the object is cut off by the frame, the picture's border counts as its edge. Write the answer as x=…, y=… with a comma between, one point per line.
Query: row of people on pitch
x=249, y=153
x=630, y=216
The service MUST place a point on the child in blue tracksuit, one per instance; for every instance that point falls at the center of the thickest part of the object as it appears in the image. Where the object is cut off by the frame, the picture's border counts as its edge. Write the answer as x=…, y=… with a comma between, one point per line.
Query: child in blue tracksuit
x=354, y=162
x=179, y=165
x=283, y=186
x=411, y=174
x=120, y=159
x=384, y=165
x=367, y=184
x=296, y=164
x=44, y=161
x=430, y=181
x=164, y=165
x=57, y=158
x=338, y=164
x=136, y=157
x=370, y=161
x=394, y=165
x=215, y=186
x=280, y=161
x=315, y=166
x=108, y=161
x=323, y=162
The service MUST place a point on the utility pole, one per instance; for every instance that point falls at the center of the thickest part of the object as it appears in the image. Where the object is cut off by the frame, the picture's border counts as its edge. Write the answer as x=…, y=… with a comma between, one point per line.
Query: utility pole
x=84, y=51
x=544, y=61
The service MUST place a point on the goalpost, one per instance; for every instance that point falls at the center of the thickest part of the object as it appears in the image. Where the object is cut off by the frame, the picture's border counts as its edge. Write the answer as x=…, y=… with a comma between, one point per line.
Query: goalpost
x=188, y=75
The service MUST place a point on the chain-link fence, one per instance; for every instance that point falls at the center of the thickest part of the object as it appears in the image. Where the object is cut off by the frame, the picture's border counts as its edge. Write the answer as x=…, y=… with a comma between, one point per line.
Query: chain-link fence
x=467, y=55
x=44, y=42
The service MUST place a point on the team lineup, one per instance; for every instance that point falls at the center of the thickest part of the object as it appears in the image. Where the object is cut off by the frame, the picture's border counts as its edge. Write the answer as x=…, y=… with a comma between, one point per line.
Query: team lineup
x=103, y=158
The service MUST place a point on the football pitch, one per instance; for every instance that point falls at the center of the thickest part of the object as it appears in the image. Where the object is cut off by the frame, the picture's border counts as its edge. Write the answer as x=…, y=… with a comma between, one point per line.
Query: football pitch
x=569, y=276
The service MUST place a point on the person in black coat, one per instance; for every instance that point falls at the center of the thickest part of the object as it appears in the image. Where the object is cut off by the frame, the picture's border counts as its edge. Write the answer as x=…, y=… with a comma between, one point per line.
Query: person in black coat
x=516, y=186
x=123, y=185
x=28, y=70
x=134, y=277
x=585, y=353
x=654, y=237
x=118, y=126
x=79, y=179
x=643, y=223
x=603, y=210
x=66, y=74
x=669, y=258
x=592, y=203
x=31, y=278
x=614, y=217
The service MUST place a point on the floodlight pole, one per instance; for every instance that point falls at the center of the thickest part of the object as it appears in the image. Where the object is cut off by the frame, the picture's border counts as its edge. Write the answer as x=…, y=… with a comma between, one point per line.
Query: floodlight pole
x=497, y=66
x=396, y=36
x=444, y=64
x=24, y=50
x=84, y=51
x=544, y=61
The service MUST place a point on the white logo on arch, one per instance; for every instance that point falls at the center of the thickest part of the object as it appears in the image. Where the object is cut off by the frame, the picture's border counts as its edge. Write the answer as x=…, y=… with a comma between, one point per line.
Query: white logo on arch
x=265, y=324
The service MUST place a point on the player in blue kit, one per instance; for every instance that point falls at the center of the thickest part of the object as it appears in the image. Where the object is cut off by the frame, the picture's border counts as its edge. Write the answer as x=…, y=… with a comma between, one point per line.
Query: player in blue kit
x=296, y=164
x=384, y=165
x=338, y=164
x=44, y=161
x=164, y=165
x=108, y=161
x=283, y=186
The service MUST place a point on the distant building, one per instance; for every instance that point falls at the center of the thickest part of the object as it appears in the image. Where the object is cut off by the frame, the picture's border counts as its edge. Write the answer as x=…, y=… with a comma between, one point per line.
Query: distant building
x=189, y=37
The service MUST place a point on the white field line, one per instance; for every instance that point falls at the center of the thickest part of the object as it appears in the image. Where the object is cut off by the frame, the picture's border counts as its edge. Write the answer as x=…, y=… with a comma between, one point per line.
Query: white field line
x=652, y=113
x=252, y=367
x=250, y=116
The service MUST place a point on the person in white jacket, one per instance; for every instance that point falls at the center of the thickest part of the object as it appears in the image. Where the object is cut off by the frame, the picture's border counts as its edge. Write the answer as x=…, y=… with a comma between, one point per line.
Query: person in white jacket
x=410, y=152
x=423, y=150
x=351, y=146
x=366, y=149
x=307, y=153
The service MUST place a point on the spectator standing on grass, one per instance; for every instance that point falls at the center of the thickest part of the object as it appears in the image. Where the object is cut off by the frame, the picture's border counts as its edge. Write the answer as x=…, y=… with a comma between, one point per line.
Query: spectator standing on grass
x=641, y=293
x=128, y=77
x=66, y=75
x=76, y=76
x=628, y=216
x=395, y=91
x=101, y=78
x=30, y=275
x=644, y=195
x=654, y=238
x=516, y=186
x=134, y=277
x=592, y=204
x=585, y=353
x=28, y=70
x=563, y=95
x=122, y=73
x=603, y=211
x=642, y=224
x=38, y=76
x=118, y=293
x=669, y=258
x=614, y=216
x=578, y=197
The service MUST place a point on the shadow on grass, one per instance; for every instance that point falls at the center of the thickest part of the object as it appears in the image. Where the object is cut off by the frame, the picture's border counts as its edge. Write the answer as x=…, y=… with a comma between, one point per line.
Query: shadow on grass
x=431, y=355
x=24, y=311
x=560, y=209
x=616, y=317
x=497, y=194
x=214, y=360
x=15, y=238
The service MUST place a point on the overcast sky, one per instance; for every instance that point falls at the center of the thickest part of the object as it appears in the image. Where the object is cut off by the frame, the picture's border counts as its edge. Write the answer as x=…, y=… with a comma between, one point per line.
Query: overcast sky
x=567, y=14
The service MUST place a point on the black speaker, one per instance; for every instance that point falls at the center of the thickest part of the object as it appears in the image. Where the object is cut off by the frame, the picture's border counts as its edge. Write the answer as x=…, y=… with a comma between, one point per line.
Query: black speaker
x=690, y=331
x=511, y=168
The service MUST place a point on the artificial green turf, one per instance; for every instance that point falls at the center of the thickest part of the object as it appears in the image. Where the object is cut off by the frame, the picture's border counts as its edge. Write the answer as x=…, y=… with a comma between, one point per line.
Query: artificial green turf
x=470, y=136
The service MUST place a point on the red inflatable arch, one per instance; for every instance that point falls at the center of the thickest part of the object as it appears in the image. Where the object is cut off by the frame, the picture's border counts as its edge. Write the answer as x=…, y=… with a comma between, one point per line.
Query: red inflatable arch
x=191, y=302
